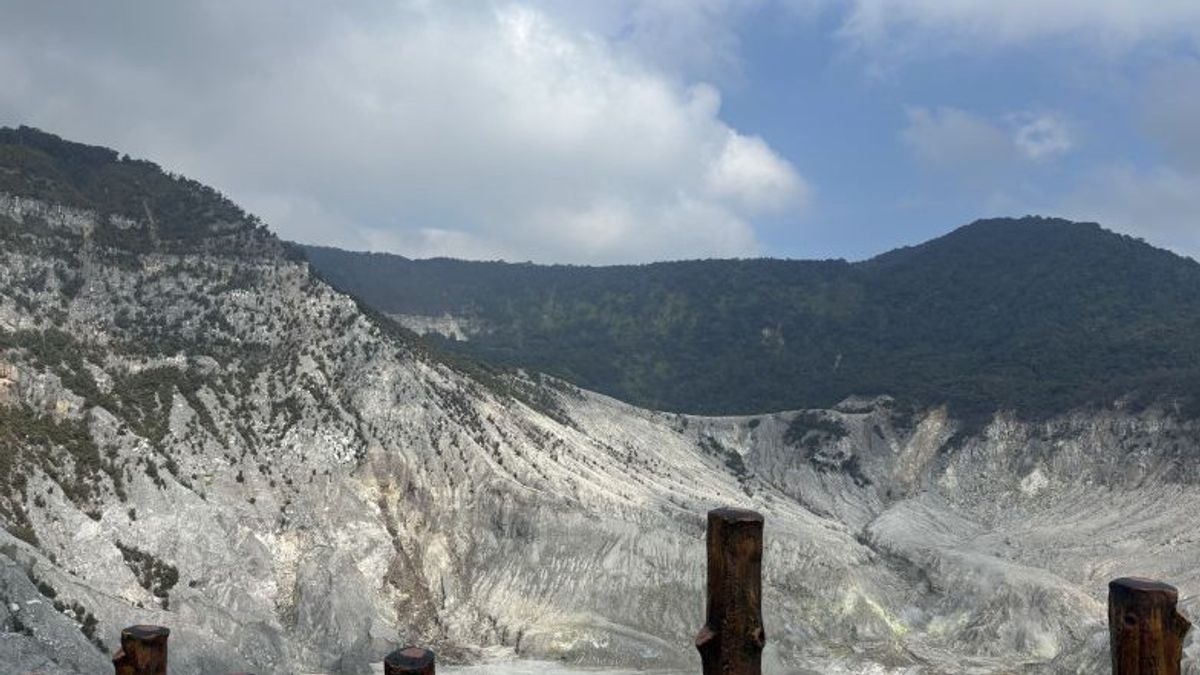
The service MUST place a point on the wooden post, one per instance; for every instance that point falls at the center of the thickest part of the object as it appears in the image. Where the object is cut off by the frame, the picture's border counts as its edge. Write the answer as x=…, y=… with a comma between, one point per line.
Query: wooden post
x=732, y=639
x=1145, y=629
x=143, y=651
x=409, y=661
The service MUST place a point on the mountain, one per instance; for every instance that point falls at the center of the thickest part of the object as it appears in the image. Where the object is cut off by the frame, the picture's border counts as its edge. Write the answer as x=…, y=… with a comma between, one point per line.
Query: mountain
x=197, y=431
x=1037, y=316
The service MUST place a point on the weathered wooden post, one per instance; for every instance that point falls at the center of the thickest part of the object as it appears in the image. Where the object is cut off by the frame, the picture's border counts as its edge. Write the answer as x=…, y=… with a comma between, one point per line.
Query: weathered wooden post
x=1145, y=629
x=143, y=651
x=409, y=661
x=732, y=639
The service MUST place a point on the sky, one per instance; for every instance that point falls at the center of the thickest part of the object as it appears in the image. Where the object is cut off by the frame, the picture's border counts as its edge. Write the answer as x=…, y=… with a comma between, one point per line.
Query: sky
x=621, y=131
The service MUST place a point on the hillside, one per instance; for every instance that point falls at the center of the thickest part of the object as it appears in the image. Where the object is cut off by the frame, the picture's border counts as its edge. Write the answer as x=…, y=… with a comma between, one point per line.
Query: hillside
x=196, y=431
x=1035, y=315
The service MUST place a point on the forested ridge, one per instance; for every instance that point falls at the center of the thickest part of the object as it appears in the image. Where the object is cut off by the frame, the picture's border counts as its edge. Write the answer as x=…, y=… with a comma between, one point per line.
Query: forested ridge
x=1033, y=315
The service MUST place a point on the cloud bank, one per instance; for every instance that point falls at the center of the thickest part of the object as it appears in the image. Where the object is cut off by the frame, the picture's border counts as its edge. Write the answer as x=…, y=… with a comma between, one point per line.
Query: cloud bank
x=573, y=132
x=480, y=131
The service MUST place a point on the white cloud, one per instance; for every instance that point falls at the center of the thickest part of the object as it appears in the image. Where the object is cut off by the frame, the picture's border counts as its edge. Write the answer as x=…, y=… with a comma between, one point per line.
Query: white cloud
x=1171, y=107
x=976, y=147
x=1043, y=136
x=701, y=37
x=692, y=38
x=898, y=26
x=996, y=154
x=698, y=39
x=954, y=139
x=748, y=173
x=1161, y=205
x=435, y=242
x=442, y=128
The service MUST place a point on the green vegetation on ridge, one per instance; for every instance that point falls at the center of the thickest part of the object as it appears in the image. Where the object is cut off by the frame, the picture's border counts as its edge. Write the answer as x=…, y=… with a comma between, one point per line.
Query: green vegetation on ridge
x=142, y=208
x=1034, y=315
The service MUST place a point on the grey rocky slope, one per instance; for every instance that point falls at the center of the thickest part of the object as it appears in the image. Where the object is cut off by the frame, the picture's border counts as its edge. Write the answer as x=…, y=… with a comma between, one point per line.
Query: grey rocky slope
x=212, y=439
x=220, y=443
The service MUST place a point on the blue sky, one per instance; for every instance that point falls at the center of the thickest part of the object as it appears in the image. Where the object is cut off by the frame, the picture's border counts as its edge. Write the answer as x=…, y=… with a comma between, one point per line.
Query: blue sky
x=850, y=128
x=636, y=130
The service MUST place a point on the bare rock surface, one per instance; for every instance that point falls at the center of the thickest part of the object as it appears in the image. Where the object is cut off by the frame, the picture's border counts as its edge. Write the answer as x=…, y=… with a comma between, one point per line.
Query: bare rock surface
x=221, y=443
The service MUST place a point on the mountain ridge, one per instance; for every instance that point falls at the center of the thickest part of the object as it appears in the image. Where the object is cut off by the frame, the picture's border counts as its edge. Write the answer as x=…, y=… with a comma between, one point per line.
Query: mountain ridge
x=1026, y=314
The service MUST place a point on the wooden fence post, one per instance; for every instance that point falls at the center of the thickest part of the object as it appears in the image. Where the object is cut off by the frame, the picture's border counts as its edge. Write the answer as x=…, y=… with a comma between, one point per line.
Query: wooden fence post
x=143, y=651
x=409, y=661
x=732, y=639
x=1145, y=629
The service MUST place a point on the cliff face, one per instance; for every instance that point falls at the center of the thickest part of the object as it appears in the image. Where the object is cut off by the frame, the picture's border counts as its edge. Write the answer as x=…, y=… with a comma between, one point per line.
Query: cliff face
x=217, y=441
